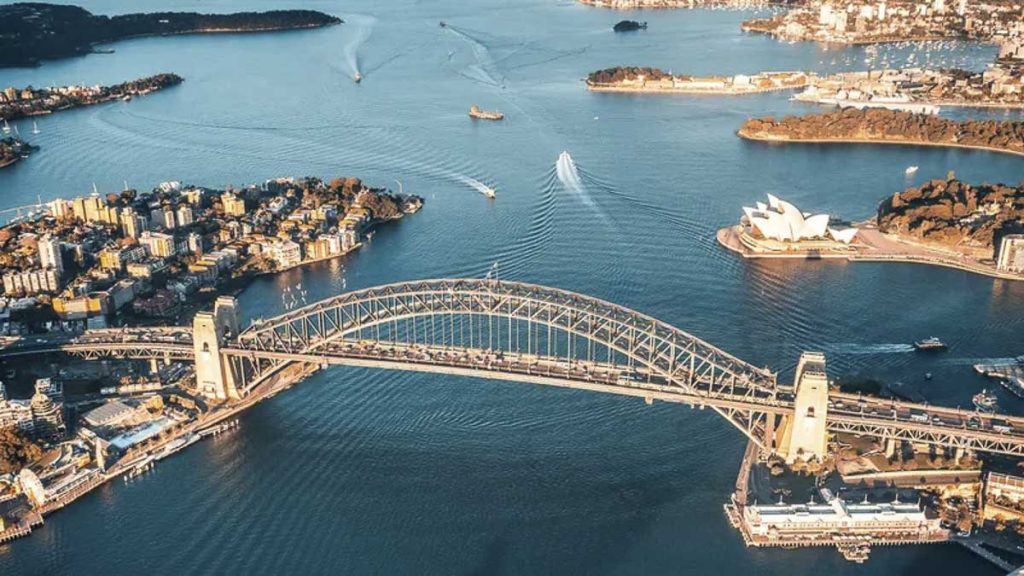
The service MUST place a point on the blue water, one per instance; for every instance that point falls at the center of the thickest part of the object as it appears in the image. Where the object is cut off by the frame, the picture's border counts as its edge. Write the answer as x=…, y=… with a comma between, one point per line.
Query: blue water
x=356, y=471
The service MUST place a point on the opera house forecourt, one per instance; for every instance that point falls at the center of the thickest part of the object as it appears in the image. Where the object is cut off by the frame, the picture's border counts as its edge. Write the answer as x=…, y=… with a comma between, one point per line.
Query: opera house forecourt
x=779, y=229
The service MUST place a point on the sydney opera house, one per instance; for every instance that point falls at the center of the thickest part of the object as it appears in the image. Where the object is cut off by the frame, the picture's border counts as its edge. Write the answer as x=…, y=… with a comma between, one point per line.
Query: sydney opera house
x=780, y=225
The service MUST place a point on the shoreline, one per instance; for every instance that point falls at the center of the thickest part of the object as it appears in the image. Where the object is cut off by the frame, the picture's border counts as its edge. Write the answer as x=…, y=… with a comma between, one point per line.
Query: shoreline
x=895, y=40
x=287, y=377
x=940, y=103
x=728, y=238
x=608, y=88
x=112, y=96
x=784, y=140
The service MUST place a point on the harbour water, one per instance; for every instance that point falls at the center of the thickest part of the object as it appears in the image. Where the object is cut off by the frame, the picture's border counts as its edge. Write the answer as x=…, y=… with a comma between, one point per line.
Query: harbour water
x=357, y=471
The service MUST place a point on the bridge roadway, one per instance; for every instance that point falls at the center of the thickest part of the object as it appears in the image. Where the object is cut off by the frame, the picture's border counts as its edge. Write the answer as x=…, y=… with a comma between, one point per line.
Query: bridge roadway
x=848, y=413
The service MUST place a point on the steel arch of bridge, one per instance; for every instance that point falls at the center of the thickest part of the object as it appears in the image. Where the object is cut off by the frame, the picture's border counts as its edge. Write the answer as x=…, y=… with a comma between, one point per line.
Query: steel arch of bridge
x=640, y=344
x=678, y=357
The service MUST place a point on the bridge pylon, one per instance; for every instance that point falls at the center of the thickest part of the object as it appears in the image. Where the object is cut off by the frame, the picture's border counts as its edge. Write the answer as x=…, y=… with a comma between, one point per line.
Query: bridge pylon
x=805, y=436
x=215, y=378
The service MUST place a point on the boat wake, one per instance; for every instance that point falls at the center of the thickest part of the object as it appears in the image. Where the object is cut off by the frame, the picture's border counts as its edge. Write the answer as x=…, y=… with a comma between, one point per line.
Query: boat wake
x=973, y=361
x=483, y=68
x=854, y=348
x=473, y=183
x=569, y=176
x=362, y=28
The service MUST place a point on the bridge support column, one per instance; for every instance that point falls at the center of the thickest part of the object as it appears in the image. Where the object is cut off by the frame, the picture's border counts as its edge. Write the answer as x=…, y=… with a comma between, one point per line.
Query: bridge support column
x=805, y=436
x=153, y=366
x=890, y=447
x=215, y=378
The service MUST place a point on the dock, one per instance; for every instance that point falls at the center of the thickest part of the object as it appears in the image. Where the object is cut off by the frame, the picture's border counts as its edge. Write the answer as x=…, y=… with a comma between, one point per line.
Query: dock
x=1010, y=374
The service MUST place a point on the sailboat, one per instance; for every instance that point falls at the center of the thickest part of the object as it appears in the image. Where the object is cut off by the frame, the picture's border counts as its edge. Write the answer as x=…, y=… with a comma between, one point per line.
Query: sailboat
x=35, y=128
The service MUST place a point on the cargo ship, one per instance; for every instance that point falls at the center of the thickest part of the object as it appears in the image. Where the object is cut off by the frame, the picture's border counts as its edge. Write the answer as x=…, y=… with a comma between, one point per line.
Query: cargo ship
x=476, y=113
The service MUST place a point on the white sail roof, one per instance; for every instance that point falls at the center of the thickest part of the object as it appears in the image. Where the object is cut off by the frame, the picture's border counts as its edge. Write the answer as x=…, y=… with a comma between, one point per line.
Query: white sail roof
x=781, y=220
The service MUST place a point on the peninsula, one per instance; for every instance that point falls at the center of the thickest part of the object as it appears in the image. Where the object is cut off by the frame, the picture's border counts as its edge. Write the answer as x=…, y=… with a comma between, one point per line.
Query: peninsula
x=999, y=86
x=946, y=223
x=20, y=102
x=883, y=126
x=141, y=255
x=653, y=80
x=14, y=149
x=868, y=22
x=34, y=32
x=130, y=259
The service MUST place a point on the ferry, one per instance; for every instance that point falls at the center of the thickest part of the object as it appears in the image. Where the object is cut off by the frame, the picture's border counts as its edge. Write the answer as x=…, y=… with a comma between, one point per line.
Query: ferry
x=476, y=113
x=932, y=344
x=910, y=170
x=984, y=401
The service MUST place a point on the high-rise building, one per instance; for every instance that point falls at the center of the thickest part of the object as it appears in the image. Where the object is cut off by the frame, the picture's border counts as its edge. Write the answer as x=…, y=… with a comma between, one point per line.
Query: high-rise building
x=48, y=410
x=133, y=224
x=167, y=217
x=159, y=245
x=1011, y=253
x=233, y=205
x=60, y=209
x=185, y=217
x=50, y=255
x=195, y=243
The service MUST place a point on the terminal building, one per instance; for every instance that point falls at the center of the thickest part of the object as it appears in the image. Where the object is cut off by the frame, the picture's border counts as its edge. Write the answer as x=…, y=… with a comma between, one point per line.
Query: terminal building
x=850, y=527
x=1011, y=253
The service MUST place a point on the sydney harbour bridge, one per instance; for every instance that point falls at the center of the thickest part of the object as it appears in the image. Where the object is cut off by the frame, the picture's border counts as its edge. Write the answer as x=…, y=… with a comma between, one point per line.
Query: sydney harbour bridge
x=527, y=333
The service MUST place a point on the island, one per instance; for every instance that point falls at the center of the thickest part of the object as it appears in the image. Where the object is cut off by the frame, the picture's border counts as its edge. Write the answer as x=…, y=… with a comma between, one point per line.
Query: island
x=34, y=32
x=884, y=126
x=998, y=86
x=13, y=149
x=944, y=222
x=20, y=102
x=629, y=26
x=654, y=80
x=864, y=22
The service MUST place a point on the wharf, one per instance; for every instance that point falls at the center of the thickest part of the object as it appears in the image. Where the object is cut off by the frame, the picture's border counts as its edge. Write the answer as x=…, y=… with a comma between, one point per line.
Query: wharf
x=22, y=528
x=1010, y=375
